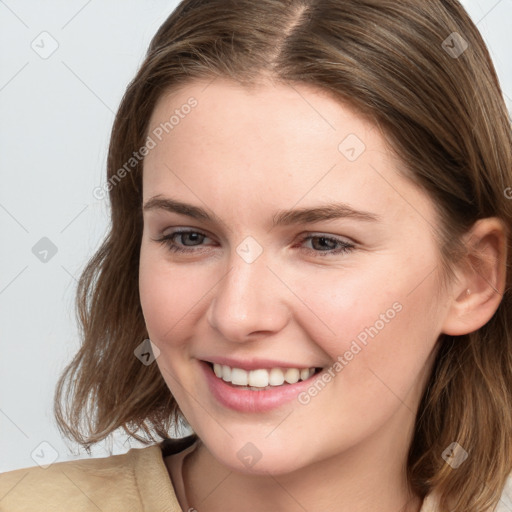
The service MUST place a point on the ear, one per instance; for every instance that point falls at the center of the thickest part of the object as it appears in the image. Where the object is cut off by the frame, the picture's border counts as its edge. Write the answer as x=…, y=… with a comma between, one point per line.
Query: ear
x=481, y=277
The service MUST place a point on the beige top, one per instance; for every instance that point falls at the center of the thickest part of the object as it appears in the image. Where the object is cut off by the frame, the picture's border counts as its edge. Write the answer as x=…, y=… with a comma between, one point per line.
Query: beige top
x=136, y=481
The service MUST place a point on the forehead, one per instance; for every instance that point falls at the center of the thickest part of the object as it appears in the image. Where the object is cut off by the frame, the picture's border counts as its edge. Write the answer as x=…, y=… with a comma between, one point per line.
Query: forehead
x=225, y=111
x=274, y=143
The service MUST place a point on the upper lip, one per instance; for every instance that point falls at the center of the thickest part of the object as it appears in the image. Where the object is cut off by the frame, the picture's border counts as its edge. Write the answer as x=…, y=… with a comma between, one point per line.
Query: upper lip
x=256, y=364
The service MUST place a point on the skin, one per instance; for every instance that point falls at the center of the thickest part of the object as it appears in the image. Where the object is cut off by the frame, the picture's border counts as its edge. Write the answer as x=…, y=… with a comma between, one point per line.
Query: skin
x=243, y=155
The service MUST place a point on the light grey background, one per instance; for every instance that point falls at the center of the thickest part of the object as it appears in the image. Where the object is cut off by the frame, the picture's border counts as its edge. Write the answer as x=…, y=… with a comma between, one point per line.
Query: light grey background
x=56, y=112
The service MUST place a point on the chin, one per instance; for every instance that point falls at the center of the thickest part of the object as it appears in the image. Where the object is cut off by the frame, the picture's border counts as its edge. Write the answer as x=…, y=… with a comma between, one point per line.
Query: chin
x=273, y=464
x=259, y=456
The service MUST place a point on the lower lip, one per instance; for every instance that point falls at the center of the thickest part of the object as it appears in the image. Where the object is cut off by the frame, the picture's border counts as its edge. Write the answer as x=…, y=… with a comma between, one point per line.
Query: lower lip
x=245, y=400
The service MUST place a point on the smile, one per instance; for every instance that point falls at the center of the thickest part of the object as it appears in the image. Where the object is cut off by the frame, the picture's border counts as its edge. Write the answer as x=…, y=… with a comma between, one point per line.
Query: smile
x=261, y=379
x=234, y=388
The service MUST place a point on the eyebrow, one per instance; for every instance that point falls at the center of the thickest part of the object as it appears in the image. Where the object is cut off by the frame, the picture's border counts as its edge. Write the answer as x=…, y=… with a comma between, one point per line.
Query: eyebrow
x=328, y=211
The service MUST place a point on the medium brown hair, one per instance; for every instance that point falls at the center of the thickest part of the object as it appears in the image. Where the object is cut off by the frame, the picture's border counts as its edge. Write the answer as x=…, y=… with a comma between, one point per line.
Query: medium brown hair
x=444, y=116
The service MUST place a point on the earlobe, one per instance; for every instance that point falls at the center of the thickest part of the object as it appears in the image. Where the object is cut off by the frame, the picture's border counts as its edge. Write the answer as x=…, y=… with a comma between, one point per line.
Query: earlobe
x=478, y=291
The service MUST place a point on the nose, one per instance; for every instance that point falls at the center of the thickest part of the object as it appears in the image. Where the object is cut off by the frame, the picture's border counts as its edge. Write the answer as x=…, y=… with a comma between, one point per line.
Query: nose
x=249, y=302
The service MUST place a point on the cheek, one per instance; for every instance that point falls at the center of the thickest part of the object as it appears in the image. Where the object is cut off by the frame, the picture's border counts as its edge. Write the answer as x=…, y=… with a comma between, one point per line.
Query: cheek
x=159, y=299
x=379, y=328
x=349, y=304
x=171, y=296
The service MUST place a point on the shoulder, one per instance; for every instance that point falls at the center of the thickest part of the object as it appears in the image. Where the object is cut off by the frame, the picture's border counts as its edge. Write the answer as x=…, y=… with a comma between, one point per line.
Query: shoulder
x=133, y=481
x=88, y=484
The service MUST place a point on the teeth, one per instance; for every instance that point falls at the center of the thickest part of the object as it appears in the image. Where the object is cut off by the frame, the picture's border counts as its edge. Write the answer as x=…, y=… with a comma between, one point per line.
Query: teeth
x=239, y=377
x=261, y=378
x=292, y=375
x=258, y=378
x=276, y=377
x=226, y=373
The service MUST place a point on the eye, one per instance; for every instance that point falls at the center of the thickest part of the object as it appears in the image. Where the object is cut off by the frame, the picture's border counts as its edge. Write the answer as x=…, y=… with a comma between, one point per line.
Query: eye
x=327, y=246
x=321, y=245
x=169, y=240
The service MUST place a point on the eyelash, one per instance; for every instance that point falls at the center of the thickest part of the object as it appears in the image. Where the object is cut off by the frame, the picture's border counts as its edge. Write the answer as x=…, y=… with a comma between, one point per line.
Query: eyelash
x=168, y=240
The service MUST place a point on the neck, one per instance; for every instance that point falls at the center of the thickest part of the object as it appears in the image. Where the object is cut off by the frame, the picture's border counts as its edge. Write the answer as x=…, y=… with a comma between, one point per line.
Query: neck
x=362, y=479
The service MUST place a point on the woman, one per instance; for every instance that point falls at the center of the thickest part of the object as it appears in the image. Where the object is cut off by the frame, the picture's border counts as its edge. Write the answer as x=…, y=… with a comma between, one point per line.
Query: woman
x=340, y=337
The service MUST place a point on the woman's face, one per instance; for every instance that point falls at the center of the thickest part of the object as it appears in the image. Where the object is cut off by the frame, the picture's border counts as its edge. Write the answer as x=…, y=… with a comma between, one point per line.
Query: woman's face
x=351, y=288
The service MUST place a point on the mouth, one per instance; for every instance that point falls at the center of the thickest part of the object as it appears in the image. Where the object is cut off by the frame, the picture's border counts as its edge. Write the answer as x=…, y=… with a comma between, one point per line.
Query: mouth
x=257, y=390
x=261, y=379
